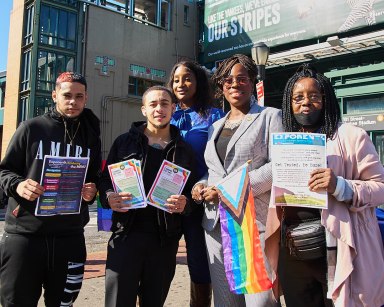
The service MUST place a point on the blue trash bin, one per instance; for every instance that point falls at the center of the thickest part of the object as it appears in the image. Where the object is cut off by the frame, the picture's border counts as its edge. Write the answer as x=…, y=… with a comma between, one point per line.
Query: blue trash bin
x=380, y=218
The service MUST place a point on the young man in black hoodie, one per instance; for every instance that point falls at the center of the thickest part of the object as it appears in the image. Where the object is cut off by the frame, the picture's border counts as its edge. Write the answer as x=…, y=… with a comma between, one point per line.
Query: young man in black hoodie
x=47, y=251
x=142, y=250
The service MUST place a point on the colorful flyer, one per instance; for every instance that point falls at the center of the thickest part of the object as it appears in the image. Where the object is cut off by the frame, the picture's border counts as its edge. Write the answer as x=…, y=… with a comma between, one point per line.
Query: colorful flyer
x=126, y=177
x=63, y=179
x=170, y=180
x=294, y=156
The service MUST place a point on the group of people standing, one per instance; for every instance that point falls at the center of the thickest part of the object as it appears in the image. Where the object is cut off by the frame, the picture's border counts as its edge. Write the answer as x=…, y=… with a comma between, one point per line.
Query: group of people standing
x=183, y=126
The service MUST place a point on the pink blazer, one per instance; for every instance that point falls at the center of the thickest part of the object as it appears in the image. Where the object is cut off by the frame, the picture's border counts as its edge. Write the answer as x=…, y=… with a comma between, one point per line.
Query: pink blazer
x=359, y=274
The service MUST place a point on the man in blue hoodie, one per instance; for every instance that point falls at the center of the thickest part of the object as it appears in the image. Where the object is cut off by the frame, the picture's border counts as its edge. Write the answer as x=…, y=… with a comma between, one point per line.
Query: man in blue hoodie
x=47, y=251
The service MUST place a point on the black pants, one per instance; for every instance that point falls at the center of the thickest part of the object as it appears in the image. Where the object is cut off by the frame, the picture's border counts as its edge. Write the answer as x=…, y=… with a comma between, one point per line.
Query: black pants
x=304, y=282
x=138, y=265
x=196, y=249
x=29, y=262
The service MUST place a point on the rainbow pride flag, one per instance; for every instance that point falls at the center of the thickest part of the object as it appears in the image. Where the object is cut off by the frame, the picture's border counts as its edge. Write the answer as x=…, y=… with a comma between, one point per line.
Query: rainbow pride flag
x=243, y=256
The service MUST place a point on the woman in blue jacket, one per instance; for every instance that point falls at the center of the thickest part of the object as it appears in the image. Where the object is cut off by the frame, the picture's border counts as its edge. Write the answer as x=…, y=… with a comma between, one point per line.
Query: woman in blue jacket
x=193, y=116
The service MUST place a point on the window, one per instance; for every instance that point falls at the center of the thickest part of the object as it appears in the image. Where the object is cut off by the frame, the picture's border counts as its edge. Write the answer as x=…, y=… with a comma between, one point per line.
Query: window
x=364, y=104
x=49, y=66
x=118, y=5
x=166, y=14
x=26, y=70
x=146, y=10
x=378, y=140
x=138, y=86
x=29, y=18
x=24, y=103
x=2, y=92
x=68, y=2
x=57, y=27
x=42, y=105
x=186, y=14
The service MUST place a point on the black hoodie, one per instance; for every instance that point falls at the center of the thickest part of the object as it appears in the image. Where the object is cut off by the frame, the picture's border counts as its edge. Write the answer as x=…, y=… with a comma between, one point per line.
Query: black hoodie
x=134, y=145
x=33, y=139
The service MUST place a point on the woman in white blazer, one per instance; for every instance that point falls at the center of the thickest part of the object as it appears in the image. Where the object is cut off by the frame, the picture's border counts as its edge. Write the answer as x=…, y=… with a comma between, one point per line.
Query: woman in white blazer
x=242, y=135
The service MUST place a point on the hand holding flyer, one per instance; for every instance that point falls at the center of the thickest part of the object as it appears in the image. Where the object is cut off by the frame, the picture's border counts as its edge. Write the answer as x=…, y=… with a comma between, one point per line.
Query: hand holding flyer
x=63, y=179
x=294, y=156
x=126, y=177
x=170, y=180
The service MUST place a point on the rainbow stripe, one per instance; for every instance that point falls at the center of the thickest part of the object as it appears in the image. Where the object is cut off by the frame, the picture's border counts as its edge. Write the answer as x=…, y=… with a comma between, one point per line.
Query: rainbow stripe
x=243, y=256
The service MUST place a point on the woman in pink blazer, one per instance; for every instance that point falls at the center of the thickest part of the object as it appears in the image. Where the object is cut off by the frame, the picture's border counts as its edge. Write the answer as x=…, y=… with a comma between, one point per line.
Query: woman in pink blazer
x=351, y=272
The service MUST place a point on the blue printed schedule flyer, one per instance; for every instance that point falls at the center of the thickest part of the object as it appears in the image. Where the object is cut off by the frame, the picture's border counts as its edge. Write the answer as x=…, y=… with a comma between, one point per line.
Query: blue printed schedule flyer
x=62, y=179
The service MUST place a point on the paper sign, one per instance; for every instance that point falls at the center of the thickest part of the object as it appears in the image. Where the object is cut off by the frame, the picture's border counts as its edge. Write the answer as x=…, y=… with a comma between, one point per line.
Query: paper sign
x=294, y=156
x=63, y=179
x=170, y=180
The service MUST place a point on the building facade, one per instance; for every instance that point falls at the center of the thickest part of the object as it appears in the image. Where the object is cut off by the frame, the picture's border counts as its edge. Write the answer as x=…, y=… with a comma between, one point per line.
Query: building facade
x=121, y=46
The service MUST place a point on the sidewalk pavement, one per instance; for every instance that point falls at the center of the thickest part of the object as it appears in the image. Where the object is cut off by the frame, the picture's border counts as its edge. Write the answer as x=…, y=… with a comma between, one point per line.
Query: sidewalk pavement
x=92, y=292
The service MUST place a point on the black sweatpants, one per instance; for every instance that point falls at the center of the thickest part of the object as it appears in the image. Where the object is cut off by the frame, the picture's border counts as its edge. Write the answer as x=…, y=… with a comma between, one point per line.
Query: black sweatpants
x=29, y=263
x=196, y=250
x=138, y=265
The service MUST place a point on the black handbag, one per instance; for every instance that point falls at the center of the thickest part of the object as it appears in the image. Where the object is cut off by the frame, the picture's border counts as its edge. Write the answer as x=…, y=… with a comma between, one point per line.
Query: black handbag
x=306, y=240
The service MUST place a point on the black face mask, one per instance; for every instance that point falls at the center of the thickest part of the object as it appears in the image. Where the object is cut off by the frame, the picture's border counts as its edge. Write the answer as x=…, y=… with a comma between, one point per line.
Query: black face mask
x=310, y=119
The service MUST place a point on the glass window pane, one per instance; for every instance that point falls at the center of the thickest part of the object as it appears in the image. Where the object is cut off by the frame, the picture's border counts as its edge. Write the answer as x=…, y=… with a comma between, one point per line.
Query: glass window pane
x=186, y=14
x=138, y=86
x=26, y=70
x=42, y=105
x=70, y=64
x=53, y=26
x=50, y=65
x=24, y=103
x=44, y=24
x=166, y=14
x=364, y=104
x=41, y=70
x=58, y=27
x=62, y=29
x=146, y=10
x=29, y=24
x=379, y=144
x=71, y=27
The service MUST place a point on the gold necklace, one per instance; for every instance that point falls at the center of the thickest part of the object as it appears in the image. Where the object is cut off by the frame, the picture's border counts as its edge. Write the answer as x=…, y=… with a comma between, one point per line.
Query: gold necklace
x=71, y=139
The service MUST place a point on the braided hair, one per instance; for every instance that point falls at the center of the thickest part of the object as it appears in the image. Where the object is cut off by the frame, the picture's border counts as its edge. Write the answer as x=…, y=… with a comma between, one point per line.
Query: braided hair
x=225, y=68
x=331, y=108
x=203, y=99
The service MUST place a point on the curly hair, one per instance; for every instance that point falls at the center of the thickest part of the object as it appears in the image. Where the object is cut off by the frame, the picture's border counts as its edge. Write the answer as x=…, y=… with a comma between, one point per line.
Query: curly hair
x=203, y=98
x=225, y=68
x=331, y=108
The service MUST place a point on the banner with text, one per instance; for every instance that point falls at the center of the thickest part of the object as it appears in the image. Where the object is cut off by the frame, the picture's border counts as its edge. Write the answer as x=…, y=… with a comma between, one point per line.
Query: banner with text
x=232, y=26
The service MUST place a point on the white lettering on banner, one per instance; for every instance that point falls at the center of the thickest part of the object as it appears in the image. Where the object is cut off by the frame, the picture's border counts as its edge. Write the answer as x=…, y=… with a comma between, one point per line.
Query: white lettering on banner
x=243, y=18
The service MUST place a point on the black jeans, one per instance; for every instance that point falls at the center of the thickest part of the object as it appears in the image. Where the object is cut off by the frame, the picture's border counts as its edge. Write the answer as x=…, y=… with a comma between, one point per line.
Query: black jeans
x=304, y=282
x=29, y=263
x=138, y=265
x=196, y=249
